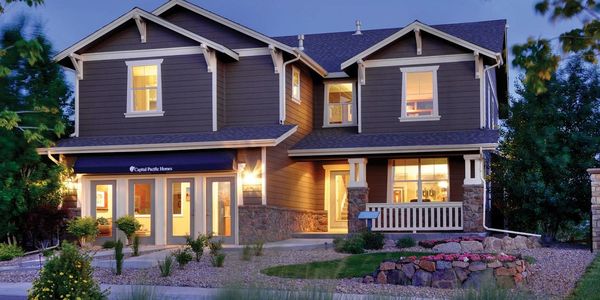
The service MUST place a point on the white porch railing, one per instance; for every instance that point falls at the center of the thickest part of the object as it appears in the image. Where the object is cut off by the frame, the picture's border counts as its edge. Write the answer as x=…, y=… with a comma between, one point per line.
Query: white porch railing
x=418, y=216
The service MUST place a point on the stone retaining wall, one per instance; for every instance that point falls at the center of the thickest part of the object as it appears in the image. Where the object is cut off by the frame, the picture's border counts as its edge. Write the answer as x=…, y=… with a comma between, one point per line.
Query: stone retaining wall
x=269, y=223
x=595, y=208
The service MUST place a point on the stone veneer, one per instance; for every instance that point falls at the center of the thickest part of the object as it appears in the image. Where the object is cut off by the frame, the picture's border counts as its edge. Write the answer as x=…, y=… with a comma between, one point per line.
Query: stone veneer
x=268, y=223
x=473, y=208
x=595, y=208
x=357, y=202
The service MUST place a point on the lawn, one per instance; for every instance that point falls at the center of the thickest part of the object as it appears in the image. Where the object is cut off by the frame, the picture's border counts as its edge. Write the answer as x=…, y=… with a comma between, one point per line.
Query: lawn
x=352, y=266
x=588, y=286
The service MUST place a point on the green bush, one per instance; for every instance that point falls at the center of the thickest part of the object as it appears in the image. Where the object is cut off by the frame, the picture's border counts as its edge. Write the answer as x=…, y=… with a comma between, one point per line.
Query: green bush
x=406, y=242
x=215, y=247
x=197, y=245
x=85, y=229
x=136, y=245
x=373, y=240
x=10, y=251
x=218, y=260
x=258, y=248
x=108, y=244
x=166, y=266
x=102, y=221
x=183, y=257
x=119, y=257
x=247, y=253
x=67, y=276
x=353, y=245
x=129, y=225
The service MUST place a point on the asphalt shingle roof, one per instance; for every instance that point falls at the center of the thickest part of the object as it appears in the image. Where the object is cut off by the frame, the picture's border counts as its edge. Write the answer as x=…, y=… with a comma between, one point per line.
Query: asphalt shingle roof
x=337, y=138
x=330, y=50
x=224, y=134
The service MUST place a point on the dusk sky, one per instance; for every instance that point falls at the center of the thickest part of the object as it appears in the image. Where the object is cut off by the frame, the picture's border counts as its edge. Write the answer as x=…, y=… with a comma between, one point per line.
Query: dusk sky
x=68, y=21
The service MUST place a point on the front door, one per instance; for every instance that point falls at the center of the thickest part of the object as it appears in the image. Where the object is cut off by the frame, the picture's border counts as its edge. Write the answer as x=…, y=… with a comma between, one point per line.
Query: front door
x=338, y=200
x=180, y=210
x=102, y=205
x=141, y=206
x=221, y=207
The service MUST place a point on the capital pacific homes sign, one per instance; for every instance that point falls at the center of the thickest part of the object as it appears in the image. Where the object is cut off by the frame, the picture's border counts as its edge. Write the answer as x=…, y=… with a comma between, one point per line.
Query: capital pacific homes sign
x=149, y=169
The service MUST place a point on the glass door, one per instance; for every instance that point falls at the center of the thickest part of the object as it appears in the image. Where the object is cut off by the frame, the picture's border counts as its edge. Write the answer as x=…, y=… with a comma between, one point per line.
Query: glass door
x=338, y=200
x=141, y=206
x=102, y=203
x=180, y=210
x=221, y=207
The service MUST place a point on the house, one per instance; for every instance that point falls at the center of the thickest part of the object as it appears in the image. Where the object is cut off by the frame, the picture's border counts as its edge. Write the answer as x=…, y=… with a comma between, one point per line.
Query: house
x=193, y=123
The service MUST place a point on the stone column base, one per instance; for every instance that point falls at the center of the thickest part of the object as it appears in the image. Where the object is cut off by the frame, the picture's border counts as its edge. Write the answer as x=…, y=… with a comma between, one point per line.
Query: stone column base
x=595, y=227
x=357, y=202
x=473, y=208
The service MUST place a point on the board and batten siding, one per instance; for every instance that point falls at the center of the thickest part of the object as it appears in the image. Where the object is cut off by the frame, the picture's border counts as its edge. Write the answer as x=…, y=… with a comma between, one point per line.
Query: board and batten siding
x=186, y=99
x=252, y=92
x=458, y=100
x=406, y=46
x=295, y=184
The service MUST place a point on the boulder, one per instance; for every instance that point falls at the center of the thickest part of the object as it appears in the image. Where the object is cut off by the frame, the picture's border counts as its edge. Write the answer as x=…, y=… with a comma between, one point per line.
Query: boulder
x=506, y=271
x=421, y=278
x=508, y=244
x=520, y=242
x=461, y=274
x=443, y=265
x=533, y=242
x=477, y=280
x=426, y=265
x=368, y=279
x=381, y=278
x=408, y=270
x=477, y=266
x=397, y=277
x=444, y=279
x=494, y=264
x=387, y=265
x=492, y=244
x=460, y=264
x=471, y=246
x=451, y=247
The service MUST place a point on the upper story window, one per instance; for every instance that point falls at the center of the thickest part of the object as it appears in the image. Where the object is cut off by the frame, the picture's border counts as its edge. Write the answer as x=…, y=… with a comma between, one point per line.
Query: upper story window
x=295, y=84
x=419, y=180
x=339, y=104
x=419, y=94
x=144, y=95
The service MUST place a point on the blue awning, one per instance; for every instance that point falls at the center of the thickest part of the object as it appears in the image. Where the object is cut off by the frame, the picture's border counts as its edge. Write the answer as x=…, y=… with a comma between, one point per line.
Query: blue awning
x=164, y=162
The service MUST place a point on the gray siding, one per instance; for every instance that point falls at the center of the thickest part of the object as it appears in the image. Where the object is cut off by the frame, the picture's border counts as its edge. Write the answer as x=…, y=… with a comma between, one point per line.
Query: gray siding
x=406, y=46
x=252, y=93
x=221, y=88
x=186, y=94
x=127, y=37
x=458, y=97
x=210, y=29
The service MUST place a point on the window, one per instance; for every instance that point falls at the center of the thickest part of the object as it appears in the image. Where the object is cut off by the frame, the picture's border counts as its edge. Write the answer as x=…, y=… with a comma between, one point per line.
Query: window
x=295, y=84
x=419, y=94
x=339, y=104
x=144, y=95
x=141, y=198
x=419, y=180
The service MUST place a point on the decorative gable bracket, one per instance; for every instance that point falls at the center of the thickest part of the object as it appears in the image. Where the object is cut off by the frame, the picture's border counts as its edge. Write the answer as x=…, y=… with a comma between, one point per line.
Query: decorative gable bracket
x=211, y=58
x=141, y=25
x=77, y=62
x=361, y=72
x=419, y=41
x=478, y=65
x=277, y=58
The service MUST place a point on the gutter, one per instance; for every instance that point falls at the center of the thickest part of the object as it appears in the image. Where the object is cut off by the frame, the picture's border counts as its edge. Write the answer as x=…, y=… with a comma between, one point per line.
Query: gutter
x=282, y=87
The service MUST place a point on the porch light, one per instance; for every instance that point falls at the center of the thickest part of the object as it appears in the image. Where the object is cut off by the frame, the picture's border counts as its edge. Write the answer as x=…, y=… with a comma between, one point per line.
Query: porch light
x=70, y=185
x=250, y=181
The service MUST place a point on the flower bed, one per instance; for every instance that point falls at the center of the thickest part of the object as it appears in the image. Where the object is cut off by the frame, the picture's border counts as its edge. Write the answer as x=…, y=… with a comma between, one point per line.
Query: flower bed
x=467, y=270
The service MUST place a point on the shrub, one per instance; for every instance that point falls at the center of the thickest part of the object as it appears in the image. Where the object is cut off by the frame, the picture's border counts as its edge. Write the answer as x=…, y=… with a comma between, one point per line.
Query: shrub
x=373, y=240
x=102, y=221
x=405, y=242
x=183, y=257
x=68, y=276
x=119, y=256
x=353, y=245
x=47, y=252
x=129, y=225
x=165, y=266
x=215, y=246
x=197, y=245
x=136, y=245
x=218, y=260
x=108, y=244
x=258, y=248
x=42, y=224
x=530, y=259
x=85, y=229
x=10, y=251
x=247, y=253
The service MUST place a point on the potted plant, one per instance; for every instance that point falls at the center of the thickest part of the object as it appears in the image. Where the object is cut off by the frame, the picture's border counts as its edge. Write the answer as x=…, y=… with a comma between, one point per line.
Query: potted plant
x=129, y=225
x=103, y=226
x=85, y=229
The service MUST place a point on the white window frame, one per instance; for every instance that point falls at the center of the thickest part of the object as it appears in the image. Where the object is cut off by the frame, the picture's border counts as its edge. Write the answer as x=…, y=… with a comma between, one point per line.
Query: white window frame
x=435, y=114
x=296, y=98
x=419, y=181
x=326, y=104
x=159, y=108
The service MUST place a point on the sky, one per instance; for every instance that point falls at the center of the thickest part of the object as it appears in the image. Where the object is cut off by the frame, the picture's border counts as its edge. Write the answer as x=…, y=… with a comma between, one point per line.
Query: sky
x=68, y=21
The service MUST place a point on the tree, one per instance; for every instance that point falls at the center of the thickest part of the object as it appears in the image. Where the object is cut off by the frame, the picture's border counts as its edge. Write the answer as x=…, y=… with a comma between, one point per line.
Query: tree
x=548, y=142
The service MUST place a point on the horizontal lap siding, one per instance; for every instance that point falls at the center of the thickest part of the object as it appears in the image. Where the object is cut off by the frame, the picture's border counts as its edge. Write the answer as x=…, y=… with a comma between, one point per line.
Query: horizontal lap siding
x=210, y=29
x=221, y=88
x=407, y=47
x=186, y=97
x=458, y=98
x=252, y=93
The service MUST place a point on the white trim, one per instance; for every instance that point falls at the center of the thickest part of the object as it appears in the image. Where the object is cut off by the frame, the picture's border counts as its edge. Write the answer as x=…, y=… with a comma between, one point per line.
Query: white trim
x=76, y=133
x=244, y=52
x=361, y=80
x=418, y=41
x=358, y=172
x=327, y=202
x=130, y=112
x=277, y=58
x=435, y=114
x=297, y=98
x=419, y=181
x=422, y=60
x=326, y=86
x=482, y=100
x=263, y=167
x=170, y=146
x=337, y=75
x=137, y=12
x=389, y=150
x=144, y=53
x=283, y=89
x=141, y=26
x=77, y=65
x=420, y=26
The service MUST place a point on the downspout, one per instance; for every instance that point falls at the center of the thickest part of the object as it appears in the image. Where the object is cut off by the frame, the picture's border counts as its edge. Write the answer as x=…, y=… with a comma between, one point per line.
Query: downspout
x=485, y=210
x=52, y=158
x=282, y=89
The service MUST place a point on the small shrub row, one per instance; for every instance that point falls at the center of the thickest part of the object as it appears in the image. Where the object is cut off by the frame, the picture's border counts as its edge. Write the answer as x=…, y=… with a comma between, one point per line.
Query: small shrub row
x=255, y=250
x=10, y=251
x=357, y=243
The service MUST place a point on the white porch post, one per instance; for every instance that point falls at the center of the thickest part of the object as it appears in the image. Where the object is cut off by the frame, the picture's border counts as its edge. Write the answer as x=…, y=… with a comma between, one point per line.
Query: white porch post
x=473, y=169
x=358, y=193
x=473, y=194
x=358, y=172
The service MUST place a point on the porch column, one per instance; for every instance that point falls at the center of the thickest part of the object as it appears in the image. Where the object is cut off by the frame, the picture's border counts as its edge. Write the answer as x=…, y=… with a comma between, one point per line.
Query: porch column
x=473, y=195
x=595, y=209
x=358, y=193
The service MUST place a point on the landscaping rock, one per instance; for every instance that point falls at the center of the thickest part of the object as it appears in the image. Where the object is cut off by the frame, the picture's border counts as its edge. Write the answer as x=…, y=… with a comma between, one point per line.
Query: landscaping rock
x=460, y=264
x=426, y=265
x=478, y=279
x=477, y=266
x=408, y=270
x=381, y=278
x=461, y=274
x=397, y=277
x=443, y=265
x=495, y=264
x=444, y=279
x=368, y=279
x=471, y=246
x=508, y=244
x=387, y=265
x=421, y=278
x=492, y=244
x=520, y=242
x=506, y=271
x=451, y=247
x=533, y=242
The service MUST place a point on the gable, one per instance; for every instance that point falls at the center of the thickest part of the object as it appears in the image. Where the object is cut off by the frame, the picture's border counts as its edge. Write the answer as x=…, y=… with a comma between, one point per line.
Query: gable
x=210, y=29
x=406, y=46
x=127, y=37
